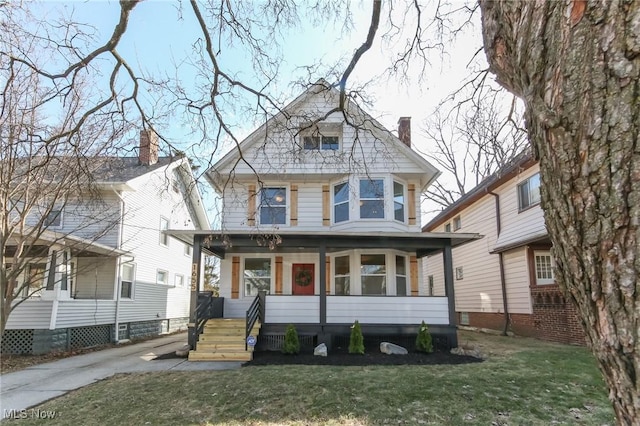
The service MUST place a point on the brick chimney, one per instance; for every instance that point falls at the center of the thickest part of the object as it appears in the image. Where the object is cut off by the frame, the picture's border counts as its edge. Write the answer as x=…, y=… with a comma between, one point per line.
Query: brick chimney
x=404, y=130
x=148, y=155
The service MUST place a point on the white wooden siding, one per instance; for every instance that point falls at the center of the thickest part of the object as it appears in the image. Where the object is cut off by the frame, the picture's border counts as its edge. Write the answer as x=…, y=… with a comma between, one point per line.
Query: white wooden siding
x=155, y=301
x=518, y=226
x=517, y=278
x=387, y=310
x=80, y=313
x=292, y=309
x=433, y=265
x=31, y=314
x=95, y=278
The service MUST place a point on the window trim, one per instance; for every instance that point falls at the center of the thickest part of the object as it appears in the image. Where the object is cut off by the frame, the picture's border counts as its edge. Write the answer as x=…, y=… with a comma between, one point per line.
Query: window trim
x=188, y=250
x=530, y=202
x=347, y=202
x=538, y=280
x=334, y=263
x=270, y=277
x=164, y=238
x=406, y=275
x=175, y=280
x=158, y=271
x=382, y=198
x=459, y=271
x=447, y=227
x=404, y=200
x=318, y=132
x=133, y=279
x=457, y=223
x=286, y=205
x=47, y=223
x=384, y=275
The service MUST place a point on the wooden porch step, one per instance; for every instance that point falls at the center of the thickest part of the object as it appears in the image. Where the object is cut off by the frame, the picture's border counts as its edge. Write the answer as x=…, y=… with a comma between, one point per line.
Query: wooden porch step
x=220, y=356
x=222, y=338
x=221, y=347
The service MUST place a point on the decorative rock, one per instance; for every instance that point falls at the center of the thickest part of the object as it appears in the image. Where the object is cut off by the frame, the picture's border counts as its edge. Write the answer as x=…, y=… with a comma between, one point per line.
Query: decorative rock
x=183, y=352
x=320, y=350
x=391, y=349
x=468, y=352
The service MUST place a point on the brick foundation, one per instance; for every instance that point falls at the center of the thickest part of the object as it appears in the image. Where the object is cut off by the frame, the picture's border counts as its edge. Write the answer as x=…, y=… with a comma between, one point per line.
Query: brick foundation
x=554, y=319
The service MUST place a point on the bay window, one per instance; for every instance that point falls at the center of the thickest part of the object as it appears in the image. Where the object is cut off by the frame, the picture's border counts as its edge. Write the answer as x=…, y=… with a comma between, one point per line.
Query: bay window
x=372, y=199
x=341, y=202
x=342, y=275
x=398, y=201
x=373, y=274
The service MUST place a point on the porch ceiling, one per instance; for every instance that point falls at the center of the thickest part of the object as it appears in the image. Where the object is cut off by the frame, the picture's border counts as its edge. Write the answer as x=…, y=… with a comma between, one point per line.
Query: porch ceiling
x=219, y=243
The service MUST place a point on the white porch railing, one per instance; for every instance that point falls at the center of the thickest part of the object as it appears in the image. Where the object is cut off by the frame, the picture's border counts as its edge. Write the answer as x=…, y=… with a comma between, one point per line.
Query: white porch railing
x=284, y=309
x=292, y=309
x=387, y=310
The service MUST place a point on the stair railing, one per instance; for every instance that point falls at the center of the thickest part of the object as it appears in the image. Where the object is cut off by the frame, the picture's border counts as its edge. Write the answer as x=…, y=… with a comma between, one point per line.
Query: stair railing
x=254, y=313
x=204, y=311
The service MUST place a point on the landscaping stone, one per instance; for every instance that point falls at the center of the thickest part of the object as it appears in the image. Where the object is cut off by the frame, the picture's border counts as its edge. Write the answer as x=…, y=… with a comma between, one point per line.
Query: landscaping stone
x=183, y=352
x=468, y=352
x=392, y=349
x=320, y=350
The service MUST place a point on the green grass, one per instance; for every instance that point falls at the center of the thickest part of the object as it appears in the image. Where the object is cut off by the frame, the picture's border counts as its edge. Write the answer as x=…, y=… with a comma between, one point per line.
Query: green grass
x=523, y=382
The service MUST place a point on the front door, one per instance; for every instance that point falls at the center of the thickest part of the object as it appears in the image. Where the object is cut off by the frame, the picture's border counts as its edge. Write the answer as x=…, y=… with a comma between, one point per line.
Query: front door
x=303, y=277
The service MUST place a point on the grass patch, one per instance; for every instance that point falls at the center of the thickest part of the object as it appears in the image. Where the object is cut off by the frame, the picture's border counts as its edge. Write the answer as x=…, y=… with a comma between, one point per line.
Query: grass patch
x=522, y=382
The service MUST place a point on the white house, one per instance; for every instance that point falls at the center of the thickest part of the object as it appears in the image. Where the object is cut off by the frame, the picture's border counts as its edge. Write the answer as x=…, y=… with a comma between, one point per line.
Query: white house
x=107, y=270
x=321, y=212
x=505, y=280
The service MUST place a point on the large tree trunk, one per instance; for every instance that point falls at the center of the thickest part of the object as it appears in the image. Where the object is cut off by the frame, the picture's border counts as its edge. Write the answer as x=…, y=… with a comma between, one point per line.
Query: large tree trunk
x=576, y=66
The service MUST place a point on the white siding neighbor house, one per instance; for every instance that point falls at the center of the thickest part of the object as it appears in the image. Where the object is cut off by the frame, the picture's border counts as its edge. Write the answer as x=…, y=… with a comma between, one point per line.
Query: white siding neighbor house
x=107, y=271
x=505, y=280
x=321, y=216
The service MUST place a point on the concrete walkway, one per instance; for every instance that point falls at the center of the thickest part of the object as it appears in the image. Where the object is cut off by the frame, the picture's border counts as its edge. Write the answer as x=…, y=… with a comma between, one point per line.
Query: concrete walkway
x=32, y=386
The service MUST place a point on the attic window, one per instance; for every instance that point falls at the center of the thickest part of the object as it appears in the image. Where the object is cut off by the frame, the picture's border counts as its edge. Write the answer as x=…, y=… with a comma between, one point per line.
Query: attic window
x=321, y=142
x=321, y=136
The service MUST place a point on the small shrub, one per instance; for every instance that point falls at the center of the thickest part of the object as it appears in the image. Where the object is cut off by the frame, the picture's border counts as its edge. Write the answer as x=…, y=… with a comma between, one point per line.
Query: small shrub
x=423, y=340
x=356, y=342
x=291, y=342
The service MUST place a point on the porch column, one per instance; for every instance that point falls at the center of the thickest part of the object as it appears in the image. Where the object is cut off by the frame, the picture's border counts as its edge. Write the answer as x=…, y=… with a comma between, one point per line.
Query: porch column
x=448, y=283
x=323, y=284
x=195, y=287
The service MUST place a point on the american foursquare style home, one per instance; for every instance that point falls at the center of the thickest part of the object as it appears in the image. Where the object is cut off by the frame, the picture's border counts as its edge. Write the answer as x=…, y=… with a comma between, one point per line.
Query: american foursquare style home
x=320, y=228
x=107, y=270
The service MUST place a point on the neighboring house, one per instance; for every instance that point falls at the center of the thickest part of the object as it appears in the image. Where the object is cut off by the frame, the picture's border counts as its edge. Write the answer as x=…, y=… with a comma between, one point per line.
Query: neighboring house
x=505, y=281
x=108, y=271
x=321, y=212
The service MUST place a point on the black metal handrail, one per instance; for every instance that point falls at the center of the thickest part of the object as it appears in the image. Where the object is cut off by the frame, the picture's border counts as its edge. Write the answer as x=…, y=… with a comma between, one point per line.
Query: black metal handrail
x=254, y=313
x=203, y=313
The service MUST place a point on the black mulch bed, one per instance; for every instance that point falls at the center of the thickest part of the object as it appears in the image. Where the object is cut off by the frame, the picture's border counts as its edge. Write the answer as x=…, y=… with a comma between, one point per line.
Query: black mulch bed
x=341, y=357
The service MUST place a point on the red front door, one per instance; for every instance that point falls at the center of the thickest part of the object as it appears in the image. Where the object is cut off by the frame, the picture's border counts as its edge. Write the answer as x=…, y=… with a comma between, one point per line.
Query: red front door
x=303, y=277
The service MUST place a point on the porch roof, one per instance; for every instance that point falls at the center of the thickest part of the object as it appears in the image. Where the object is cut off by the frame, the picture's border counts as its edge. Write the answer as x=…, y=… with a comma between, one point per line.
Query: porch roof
x=220, y=242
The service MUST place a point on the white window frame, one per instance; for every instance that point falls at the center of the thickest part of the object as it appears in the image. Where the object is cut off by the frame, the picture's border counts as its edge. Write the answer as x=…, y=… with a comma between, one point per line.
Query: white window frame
x=164, y=238
x=349, y=275
x=384, y=275
x=244, y=275
x=54, y=215
x=178, y=280
x=188, y=250
x=404, y=201
x=457, y=223
x=533, y=193
x=407, y=285
x=122, y=280
x=287, y=197
x=459, y=273
x=166, y=274
x=347, y=202
x=362, y=200
x=546, y=255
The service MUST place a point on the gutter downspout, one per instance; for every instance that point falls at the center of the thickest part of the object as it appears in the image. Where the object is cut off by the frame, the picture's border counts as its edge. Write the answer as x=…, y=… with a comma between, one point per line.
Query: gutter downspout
x=503, y=282
x=119, y=267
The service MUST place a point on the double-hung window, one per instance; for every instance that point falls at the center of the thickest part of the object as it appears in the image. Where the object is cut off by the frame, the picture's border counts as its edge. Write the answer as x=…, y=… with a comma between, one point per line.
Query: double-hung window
x=341, y=202
x=373, y=274
x=372, y=199
x=257, y=276
x=164, y=225
x=273, y=206
x=126, y=277
x=401, y=276
x=342, y=275
x=53, y=219
x=529, y=192
x=398, y=201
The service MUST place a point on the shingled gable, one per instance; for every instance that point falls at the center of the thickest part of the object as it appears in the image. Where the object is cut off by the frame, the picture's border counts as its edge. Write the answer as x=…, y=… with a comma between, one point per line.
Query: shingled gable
x=321, y=87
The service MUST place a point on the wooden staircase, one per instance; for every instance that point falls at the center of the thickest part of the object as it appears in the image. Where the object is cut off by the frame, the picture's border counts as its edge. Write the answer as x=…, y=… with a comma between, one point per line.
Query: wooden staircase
x=223, y=339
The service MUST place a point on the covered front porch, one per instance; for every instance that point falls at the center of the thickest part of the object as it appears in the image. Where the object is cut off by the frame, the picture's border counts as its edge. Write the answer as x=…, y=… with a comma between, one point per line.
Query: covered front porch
x=327, y=311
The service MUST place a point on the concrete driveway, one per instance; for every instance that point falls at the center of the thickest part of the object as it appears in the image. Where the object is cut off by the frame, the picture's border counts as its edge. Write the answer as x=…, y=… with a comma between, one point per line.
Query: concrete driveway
x=32, y=386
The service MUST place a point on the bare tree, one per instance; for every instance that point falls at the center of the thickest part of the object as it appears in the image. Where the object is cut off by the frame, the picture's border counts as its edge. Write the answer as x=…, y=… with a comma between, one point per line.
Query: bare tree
x=470, y=141
x=576, y=65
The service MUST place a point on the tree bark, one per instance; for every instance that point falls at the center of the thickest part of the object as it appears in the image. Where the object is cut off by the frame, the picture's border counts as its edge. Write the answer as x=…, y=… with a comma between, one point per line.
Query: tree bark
x=576, y=65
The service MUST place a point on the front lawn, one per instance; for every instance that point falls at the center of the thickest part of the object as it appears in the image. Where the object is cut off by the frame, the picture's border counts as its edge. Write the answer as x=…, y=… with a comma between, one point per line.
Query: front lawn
x=522, y=382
